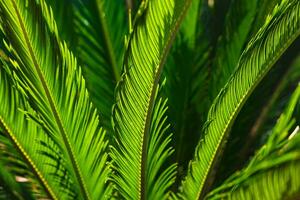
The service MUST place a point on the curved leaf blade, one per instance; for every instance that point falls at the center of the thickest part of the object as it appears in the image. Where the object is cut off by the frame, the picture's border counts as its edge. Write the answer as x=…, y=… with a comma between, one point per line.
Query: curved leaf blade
x=21, y=133
x=54, y=86
x=135, y=96
x=273, y=172
x=281, y=182
x=260, y=55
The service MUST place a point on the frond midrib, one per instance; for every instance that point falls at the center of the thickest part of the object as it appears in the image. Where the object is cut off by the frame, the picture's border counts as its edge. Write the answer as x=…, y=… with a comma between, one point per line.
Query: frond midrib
x=150, y=105
x=108, y=42
x=27, y=158
x=52, y=105
x=271, y=62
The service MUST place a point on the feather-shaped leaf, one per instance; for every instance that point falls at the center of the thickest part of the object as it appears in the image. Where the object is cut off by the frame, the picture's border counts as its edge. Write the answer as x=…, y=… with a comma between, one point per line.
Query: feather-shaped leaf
x=273, y=173
x=49, y=75
x=24, y=136
x=231, y=42
x=262, y=52
x=281, y=182
x=135, y=97
x=95, y=31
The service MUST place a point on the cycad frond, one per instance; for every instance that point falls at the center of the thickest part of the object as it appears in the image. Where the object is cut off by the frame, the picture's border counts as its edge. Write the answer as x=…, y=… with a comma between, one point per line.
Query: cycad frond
x=95, y=32
x=259, y=114
x=280, y=182
x=51, y=80
x=23, y=135
x=231, y=42
x=135, y=97
x=273, y=173
x=264, y=49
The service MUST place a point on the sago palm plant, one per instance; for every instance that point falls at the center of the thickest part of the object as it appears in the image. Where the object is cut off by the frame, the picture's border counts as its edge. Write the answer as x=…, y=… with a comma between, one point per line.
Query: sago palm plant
x=149, y=99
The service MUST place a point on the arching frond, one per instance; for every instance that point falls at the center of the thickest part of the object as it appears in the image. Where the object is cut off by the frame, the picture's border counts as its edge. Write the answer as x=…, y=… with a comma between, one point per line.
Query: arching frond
x=273, y=173
x=281, y=182
x=259, y=114
x=262, y=52
x=50, y=78
x=23, y=136
x=95, y=32
x=135, y=96
x=231, y=42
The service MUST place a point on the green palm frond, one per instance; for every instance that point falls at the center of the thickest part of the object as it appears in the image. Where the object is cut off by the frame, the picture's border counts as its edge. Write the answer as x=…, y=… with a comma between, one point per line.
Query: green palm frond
x=149, y=99
x=231, y=42
x=48, y=75
x=100, y=30
x=281, y=182
x=273, y=173
x=25, y=137
x=17, y=178
x=262, y=52
x=147, y=51
x=259, y=114
x=95, y=32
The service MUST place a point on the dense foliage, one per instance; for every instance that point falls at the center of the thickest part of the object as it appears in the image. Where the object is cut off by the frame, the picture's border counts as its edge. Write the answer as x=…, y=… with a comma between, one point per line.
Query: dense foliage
x=149, y=99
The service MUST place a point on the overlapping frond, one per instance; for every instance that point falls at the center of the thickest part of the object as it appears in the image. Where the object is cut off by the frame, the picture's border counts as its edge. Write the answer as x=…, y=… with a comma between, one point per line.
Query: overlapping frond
x=279, y=31
x=281, y=182
x=100, y=30
x=259, y=114
x=18, y=180
x=50, y=78
x=23, y=136
x=231, y=42
x=273, y=173
x=148, y=47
